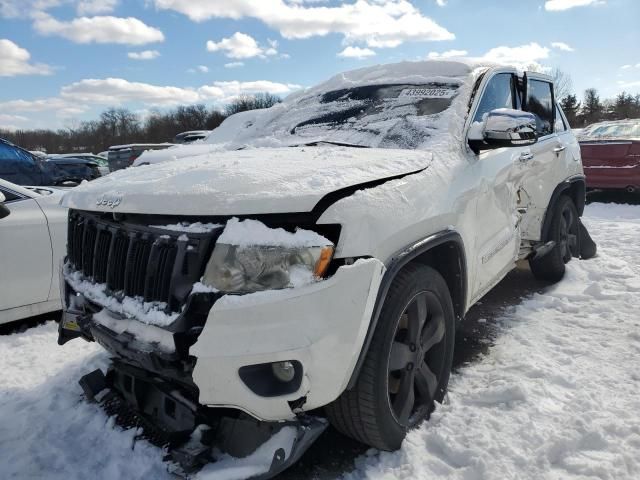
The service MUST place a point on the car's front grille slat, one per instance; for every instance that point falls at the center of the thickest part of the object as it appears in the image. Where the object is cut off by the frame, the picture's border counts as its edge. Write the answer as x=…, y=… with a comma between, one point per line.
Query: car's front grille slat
x=135, y=260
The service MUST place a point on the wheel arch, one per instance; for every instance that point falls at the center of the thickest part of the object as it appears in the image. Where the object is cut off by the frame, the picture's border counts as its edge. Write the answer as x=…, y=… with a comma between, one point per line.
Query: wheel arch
x=443, y=251
x=576, y=188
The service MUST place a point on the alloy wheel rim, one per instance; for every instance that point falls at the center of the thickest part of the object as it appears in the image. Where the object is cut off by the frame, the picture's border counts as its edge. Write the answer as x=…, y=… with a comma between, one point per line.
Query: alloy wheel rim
x=416, y=359
x=568, y=234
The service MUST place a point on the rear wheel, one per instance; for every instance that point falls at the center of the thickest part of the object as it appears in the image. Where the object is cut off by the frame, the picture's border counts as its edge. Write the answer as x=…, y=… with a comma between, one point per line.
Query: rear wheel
x=564, y=231
x=407, y=366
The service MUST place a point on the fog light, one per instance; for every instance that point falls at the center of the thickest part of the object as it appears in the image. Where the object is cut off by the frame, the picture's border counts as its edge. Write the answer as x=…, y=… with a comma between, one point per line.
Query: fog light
x=283, y=371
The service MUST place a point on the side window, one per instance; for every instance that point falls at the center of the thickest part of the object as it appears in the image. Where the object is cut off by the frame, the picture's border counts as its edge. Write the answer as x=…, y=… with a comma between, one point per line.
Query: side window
x=539, y=101
x=18, y=166
x=560, y=126
x=497, y=94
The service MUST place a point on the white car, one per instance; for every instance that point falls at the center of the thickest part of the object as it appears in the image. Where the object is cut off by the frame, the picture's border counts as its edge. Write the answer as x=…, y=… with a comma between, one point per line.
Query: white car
x=320, y=258
x=33, y=231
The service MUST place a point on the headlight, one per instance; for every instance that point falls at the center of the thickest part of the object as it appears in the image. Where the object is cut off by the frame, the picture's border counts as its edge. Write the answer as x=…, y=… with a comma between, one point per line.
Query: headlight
x=243, y=267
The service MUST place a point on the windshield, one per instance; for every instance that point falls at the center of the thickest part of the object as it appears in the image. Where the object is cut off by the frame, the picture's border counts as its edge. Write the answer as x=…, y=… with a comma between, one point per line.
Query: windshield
x=384, y=116
x=613, y=130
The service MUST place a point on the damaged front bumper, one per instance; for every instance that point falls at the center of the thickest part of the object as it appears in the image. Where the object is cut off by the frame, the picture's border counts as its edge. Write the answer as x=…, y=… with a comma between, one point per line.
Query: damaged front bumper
x=194, y=437
x=220, y=372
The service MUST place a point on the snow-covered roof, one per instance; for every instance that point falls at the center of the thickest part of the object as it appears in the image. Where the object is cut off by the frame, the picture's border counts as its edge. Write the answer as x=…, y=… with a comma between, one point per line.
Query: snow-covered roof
x=418, y=73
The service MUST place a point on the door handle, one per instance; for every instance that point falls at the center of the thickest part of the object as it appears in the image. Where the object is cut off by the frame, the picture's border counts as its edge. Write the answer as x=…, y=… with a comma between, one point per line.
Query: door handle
x=557, y=150
x=526, y=156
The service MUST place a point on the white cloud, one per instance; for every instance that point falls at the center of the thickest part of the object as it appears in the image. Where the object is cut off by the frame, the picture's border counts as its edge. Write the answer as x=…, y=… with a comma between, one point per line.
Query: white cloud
x=376, y=23
x=234, y=65
x=448, y=54
x=107, y=29
x=203, y=68
x=14, y=60
x=225, y=91
x=95, y=7
x=144, y=55
x=78, y=97
x=626, y=67
x=521, y=56
x=25, y=8
x=441, y=3
x=356, y=52
x=117, y=90
x=12, y=122
x=60, y=106
x=559, y=5
x=631, y=84
x=562, y=46
x=5, y=118
x=241, y=45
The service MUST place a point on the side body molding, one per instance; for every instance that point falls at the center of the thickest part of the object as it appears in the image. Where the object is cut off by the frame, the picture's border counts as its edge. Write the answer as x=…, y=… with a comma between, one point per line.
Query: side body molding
x=397, y=262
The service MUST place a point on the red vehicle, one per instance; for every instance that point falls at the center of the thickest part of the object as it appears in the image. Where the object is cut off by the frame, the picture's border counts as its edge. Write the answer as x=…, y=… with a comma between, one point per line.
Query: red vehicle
x=611, y=155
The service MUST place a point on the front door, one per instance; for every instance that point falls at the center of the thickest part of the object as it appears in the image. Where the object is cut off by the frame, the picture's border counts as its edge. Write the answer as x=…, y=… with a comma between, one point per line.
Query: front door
x=497, y=236
x=25, y=253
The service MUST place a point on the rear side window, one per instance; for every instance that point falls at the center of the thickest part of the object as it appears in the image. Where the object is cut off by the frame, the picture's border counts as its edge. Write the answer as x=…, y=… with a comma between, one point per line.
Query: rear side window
x=539, y=101
x=497, y=94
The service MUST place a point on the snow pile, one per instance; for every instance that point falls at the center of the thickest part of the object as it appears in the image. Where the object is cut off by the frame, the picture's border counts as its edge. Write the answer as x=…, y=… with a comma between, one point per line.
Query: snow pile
x=197, y=227
x=145, y=334
x=151, y=313
x=251, y=233
x=557, y=396
x=47, y=430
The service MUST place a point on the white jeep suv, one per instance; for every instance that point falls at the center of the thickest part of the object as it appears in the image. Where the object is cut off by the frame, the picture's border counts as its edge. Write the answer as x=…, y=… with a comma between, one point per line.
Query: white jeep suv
x=314, y=262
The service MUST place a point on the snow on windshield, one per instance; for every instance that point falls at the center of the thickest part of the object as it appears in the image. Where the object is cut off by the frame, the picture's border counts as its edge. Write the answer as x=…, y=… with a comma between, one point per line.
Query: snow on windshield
x=612, y=130
x=384, y=116
x=391, y=106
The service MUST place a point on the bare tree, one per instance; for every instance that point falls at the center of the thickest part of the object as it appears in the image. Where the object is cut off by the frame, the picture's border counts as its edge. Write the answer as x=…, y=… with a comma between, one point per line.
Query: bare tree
x=251, y=102
x=563, y=84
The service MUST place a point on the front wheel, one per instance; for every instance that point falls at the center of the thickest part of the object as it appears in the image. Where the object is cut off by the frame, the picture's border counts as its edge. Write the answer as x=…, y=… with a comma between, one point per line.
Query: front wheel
x=407, y=366
x=564, y=231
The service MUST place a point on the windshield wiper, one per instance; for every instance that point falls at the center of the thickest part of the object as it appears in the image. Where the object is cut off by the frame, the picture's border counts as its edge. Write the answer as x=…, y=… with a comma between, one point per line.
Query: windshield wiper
x=329, y=142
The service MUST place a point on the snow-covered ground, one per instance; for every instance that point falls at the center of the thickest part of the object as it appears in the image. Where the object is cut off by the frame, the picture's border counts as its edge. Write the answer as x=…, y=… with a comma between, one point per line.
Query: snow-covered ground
x=556, y=397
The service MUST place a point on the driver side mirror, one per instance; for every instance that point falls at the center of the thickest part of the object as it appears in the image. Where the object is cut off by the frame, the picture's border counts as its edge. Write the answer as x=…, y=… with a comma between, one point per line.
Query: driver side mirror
x=503, y=127
x=4, y=211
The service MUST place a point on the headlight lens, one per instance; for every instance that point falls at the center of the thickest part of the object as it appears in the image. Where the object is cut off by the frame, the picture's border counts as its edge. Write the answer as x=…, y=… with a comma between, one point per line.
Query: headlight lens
x=234, y=268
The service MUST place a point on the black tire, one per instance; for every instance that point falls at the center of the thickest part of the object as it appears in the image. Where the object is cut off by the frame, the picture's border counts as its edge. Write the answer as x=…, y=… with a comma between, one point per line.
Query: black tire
x=372, y=412
x=564, y=230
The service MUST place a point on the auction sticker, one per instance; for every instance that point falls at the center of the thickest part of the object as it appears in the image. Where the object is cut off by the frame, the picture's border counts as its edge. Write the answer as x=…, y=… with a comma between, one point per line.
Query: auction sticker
x=428, y=92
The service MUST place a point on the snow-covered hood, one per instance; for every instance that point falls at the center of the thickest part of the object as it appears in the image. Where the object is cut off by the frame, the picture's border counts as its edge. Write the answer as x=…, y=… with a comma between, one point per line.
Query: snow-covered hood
x=246, y=182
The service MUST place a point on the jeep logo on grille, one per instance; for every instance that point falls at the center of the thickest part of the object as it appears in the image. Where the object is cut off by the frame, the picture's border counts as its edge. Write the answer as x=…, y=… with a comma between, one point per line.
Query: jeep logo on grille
x=109, y=201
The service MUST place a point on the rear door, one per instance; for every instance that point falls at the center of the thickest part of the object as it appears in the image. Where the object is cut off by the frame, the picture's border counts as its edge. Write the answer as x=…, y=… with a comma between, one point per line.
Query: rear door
x=25, y=252
x=614, y=160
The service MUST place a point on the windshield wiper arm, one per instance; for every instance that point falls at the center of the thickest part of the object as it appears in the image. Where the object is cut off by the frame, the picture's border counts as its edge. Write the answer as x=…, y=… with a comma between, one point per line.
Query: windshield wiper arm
x=330, y=142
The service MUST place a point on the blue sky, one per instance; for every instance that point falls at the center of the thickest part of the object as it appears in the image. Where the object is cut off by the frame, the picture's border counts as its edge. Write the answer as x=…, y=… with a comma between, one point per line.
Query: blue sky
x=62, y=61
